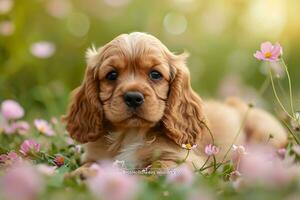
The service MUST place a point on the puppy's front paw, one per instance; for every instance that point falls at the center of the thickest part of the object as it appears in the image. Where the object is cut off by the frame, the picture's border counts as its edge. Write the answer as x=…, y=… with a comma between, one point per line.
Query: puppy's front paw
x=84, y=172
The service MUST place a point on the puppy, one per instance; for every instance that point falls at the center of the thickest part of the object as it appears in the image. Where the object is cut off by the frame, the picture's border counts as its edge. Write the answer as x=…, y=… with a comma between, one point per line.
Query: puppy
x=136, y=104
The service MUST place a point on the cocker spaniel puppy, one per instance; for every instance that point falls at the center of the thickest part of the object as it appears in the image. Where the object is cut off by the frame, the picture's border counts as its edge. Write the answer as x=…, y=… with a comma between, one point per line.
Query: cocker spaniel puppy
x=136, y=104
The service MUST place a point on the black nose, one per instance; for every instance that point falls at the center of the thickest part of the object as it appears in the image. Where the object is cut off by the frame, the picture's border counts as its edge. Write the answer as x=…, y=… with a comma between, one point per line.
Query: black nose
x=133, y=99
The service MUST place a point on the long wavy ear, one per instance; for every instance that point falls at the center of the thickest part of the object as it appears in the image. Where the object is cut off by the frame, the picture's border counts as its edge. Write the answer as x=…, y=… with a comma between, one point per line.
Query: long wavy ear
x=183, y=116
x=85, y=113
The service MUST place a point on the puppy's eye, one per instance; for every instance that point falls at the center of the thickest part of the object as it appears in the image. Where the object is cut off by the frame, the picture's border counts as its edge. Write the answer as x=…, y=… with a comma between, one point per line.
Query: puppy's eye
x=113, y=75
x=155, y=75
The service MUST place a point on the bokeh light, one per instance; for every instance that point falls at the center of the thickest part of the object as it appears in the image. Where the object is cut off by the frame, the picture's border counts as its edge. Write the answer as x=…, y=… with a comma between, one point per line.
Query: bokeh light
x=175, y=23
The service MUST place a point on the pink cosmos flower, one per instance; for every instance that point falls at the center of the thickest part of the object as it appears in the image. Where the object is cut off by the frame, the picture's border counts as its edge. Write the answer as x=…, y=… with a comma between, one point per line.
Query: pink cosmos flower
x=21, y=182
x=112, y=183
x=42, y=49
x=11, y=109
x=182, y=175
x=29, y=146
x=211, y=150
x=269, y=52
x=44, y=127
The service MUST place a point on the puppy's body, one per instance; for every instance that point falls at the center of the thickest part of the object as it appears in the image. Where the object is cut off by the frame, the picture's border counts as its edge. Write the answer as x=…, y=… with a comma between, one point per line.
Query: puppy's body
x=136, y=104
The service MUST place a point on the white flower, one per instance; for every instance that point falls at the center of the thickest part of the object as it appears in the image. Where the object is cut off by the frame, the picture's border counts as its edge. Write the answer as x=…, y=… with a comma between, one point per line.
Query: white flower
x=44, y=127
x=119, y=164
x=240, y=149
x=189, y=146
x=296, y=122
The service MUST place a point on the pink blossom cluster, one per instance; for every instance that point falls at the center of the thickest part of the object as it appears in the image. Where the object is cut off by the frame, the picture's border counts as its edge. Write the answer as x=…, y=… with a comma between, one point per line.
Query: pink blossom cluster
x=112, y=183
x=10, y=114
x=262, y=164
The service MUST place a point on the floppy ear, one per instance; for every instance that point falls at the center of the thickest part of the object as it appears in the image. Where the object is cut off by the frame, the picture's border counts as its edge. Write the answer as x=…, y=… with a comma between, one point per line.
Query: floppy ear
x=85, y=113
x=183, y=116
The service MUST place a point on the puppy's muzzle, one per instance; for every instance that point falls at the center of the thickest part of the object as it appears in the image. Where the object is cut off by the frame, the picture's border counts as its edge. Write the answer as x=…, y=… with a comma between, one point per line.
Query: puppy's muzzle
x=133, y=99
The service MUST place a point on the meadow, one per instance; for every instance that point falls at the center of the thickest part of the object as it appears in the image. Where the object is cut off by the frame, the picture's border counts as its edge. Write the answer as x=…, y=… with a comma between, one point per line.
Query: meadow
x=42, y=47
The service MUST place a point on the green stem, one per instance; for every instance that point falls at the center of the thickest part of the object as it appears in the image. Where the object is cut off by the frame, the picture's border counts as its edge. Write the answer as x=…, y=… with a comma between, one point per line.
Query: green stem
x=215, y=163
x=210, y=133
x=236, y=136
x=290, y=87
x=187, y=155
x=209, y=166
x=276, y=95
x=200, y=169
x=264, y=87
x=292, y=133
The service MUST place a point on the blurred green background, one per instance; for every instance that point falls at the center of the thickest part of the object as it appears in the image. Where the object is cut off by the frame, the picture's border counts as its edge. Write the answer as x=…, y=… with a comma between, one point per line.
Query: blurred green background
x=43, y=42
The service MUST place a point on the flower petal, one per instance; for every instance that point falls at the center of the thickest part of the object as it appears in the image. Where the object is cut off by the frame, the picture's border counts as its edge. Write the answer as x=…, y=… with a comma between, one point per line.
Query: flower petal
x=277, y=50
x=266, y=47
x=259, y=55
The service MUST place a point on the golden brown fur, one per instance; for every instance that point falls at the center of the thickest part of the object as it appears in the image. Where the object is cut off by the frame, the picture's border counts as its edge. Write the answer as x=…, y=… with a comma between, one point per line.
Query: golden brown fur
x=172, y=114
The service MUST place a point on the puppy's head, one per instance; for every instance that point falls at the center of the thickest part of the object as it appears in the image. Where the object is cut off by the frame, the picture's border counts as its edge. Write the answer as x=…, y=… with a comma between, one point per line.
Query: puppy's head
x=135, y=82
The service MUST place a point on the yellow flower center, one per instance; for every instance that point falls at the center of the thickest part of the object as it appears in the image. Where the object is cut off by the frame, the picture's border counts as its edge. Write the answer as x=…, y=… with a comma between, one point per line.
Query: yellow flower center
x=42, y=129
x=188, y=146
x=268, y=55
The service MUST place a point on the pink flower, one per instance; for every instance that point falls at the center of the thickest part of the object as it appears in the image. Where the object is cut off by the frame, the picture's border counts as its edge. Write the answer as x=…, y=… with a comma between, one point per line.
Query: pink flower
x=21, y=182
x=69, y=141
x=281, y=152
x=211, y=150
x=112, y=183
x=181, y=175
x=6, y=28
x=20, y=127
x=238, y=152
x=44, y=127
x=269, y=52
x=42, y=49
x=9, y=129
x=54, y=120
x=262, y=165
x=239, y=149
x=29, y=146
x=10, y=158
x=10, y=109
x=59, y=160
